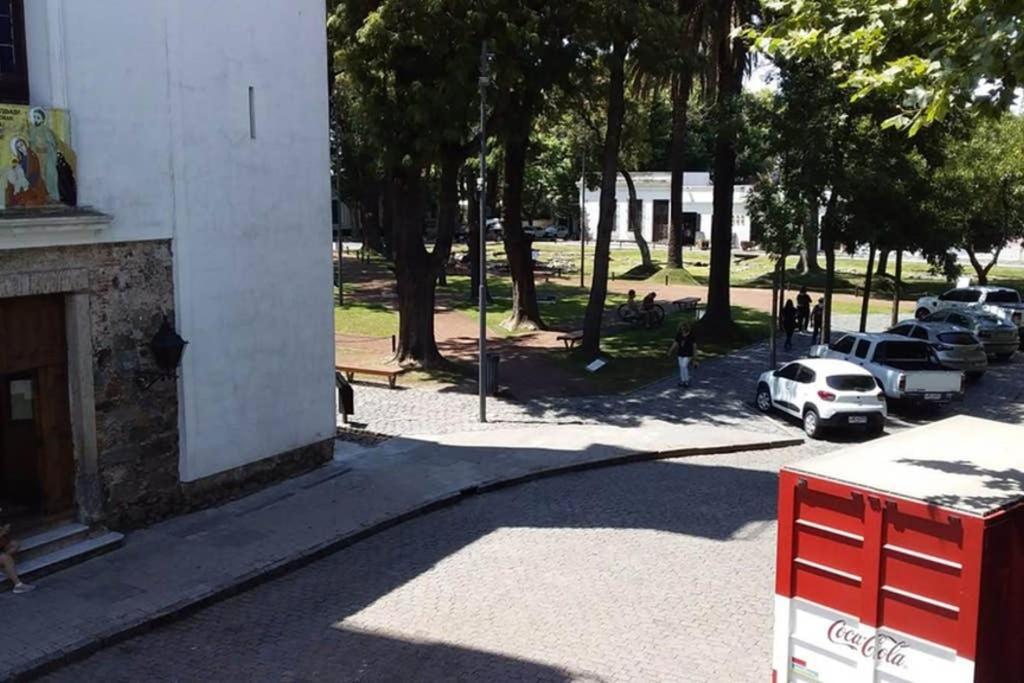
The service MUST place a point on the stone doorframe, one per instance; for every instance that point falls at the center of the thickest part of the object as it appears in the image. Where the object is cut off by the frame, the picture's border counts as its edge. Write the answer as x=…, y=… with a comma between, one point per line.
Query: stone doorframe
x=74, y=285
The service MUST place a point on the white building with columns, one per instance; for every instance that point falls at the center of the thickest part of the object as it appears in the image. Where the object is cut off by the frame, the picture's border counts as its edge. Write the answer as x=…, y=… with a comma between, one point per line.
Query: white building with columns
x=653, y=191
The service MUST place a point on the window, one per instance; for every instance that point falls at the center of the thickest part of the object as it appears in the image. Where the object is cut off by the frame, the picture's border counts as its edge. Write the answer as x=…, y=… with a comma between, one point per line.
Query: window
x=919, y=333
x=22, y=407
x=958, y=338
x=902, y=330
x=937, y=317
x=13, y=63
x=844, y=345
x=959, y=320
x=805, y=375
x=789, y=372
x=863, y=346
x=963, y=296
x=1003, y=296
x=851, y=383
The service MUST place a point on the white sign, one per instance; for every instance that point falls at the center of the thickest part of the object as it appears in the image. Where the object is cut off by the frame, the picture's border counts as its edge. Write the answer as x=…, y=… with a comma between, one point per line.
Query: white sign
x=597, y=365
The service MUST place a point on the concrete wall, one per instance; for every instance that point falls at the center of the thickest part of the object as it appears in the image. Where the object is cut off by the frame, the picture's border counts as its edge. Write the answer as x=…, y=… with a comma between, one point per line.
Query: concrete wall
x=159, y=95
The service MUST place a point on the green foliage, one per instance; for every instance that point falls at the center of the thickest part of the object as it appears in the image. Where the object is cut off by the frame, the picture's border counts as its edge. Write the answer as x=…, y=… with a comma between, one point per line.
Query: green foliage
x=978, y=196
x=775, y=216
x=926, y=57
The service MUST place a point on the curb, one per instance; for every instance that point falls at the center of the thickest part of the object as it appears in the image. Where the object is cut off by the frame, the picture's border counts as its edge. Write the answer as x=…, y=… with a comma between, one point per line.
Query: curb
x=52, y=662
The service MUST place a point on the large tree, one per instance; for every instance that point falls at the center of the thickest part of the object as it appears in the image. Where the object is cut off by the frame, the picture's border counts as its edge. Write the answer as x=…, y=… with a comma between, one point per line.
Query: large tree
x=412, y=99
x=728, y=53
x=626, y=27
x=534, y=51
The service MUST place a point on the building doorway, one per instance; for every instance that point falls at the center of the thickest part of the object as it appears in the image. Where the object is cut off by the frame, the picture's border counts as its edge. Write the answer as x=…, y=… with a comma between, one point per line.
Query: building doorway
x=660, y=230
x=37, y=464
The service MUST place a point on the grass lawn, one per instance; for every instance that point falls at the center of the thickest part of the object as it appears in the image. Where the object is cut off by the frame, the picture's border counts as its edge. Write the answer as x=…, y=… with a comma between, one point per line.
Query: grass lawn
x=361, y=318
x=638, y=356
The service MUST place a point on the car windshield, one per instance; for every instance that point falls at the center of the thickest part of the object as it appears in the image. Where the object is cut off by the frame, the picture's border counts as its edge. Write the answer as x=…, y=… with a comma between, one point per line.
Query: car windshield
x=987, y=319
x=1003, y=296
x=851, y=383
x=905, y=355
x=957, y=338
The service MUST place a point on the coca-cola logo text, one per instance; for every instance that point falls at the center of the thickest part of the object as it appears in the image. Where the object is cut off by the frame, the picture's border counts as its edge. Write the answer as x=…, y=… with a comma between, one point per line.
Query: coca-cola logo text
x=880, y=647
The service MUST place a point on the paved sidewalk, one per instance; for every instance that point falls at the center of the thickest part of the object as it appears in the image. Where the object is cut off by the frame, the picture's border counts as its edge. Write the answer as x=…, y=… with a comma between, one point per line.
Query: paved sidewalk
x=191, y=561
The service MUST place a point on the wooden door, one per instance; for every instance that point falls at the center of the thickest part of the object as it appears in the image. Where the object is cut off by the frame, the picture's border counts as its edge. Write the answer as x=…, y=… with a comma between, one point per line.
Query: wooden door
x=37, y=465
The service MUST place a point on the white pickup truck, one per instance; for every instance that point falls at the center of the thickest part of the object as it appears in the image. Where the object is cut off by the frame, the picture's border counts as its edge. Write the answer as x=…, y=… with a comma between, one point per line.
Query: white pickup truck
x=905, y=369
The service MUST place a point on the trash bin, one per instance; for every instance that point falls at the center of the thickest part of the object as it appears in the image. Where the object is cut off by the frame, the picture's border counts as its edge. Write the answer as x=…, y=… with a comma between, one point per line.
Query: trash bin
x=491, y=373
x=346, y=397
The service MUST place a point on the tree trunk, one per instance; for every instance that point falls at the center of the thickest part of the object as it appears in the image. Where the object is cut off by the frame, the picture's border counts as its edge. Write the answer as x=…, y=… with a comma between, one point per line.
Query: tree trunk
x=635, y=227
x=828, y=243
x=883, y=262
x=370, y=217
x=896, y=287
x=387, y=220
x=782, y=284
x=866, y=302
x=682, y=84
x=809, y=249
x=980, y=270
x=447, y=211
x=606, y=221
x=730, y=58
x=518, y=248
x=415, y=273
x=773, y=355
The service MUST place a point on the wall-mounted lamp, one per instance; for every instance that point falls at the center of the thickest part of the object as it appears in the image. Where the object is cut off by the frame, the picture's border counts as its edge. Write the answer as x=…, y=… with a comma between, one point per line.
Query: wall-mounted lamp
x=167, y=347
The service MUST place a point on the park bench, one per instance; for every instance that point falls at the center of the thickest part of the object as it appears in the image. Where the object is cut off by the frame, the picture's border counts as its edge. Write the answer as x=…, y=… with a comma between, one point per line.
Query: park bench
x=570, y=339
x=351, y=370
x=688, y=303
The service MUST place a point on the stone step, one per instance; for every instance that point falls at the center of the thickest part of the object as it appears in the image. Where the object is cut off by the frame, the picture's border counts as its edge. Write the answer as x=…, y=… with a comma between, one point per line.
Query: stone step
x=45, y=542
x=66, y=556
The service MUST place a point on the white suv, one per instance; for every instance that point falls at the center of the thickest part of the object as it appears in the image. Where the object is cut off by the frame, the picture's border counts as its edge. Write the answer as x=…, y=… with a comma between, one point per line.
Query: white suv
x=823, y=392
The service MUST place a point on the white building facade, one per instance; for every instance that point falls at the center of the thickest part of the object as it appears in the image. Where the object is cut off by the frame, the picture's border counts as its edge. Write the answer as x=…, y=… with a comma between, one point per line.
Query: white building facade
x=653, y=207
x=201, y=135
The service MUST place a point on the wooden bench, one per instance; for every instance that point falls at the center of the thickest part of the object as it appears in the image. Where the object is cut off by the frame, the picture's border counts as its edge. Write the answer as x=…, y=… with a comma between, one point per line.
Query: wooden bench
x=688, y=303
x=570, y=339
x=351, y=370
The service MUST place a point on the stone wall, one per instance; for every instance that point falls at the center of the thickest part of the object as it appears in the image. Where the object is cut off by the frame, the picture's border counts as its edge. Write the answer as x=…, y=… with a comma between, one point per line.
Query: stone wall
x=130, y=288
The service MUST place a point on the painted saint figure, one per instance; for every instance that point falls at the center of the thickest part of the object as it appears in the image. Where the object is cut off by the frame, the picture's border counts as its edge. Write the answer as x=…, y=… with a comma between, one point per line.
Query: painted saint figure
x=44, y=143
x=28, y=188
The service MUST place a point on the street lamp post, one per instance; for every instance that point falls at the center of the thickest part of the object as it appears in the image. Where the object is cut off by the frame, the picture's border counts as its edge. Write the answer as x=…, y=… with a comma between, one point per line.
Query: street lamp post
x=484, y=82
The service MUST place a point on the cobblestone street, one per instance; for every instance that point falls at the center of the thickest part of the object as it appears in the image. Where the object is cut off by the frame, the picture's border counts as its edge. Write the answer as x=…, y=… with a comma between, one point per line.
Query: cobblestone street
x=654, y=571
x=651, y=571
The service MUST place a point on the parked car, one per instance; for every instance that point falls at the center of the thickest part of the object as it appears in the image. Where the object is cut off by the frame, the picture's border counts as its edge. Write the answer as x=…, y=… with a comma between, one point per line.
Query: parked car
x=956, y=347
x=495, y=230
x=1000, y=338
x=905, y=369
x=561, y=232
x=824, y=393
x=1003, y=302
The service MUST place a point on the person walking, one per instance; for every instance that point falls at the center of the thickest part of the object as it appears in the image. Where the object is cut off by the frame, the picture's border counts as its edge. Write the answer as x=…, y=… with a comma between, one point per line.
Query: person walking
x=803, y=309
x=817, y=317
x=684, y=348
x=789, y=322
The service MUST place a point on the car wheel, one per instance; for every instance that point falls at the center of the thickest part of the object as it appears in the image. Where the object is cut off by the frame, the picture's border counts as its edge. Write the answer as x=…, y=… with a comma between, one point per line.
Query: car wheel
x=763, y=400
x=812, y=423
x=922, y=313
x=975, y=375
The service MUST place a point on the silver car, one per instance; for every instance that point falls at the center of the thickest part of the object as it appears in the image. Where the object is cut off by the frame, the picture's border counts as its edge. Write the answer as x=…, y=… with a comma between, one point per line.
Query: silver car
x=956, y=348
x=1000, y=337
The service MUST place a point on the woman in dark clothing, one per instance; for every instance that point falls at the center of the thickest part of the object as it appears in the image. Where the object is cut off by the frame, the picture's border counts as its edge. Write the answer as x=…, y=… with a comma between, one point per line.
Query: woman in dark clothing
x=803, y=309
x=789, y=322
x=684, y=348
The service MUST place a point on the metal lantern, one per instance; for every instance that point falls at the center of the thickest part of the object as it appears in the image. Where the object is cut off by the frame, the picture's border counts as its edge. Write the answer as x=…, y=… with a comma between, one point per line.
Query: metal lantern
x=167, y=347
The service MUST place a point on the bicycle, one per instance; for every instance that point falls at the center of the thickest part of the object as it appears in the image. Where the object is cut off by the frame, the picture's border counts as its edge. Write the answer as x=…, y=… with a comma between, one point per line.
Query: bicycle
x=652, y=317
